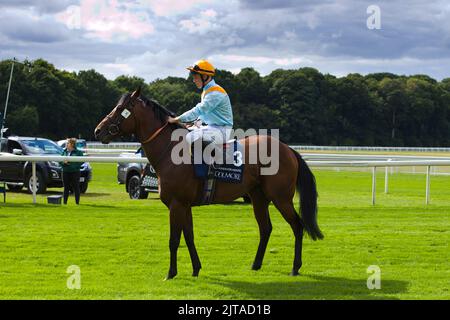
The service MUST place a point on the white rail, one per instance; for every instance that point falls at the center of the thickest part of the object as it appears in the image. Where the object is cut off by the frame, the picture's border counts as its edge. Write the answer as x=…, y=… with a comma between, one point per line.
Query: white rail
x=73, y=159
x=112, y=145
x=372, y=164
x=379, y=163
x=361, y=148
x=103, y=151
x=96, y=144
x=366, y=157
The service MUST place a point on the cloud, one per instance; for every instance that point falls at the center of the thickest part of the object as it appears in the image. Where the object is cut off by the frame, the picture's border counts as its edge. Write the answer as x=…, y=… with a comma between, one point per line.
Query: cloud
x=271, y=4
x=39, y=6
x=22, y=26
x=257, y=60
x=332, y=28
x=107, y=20
x=152, y=65
x=201, y=24
x=153, y=39
x=166, y=8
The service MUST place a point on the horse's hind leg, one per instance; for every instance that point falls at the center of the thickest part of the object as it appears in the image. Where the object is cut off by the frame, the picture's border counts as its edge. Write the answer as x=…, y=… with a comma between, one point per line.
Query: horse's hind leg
x=261, y=211
x=188, y=231
x=288, y=212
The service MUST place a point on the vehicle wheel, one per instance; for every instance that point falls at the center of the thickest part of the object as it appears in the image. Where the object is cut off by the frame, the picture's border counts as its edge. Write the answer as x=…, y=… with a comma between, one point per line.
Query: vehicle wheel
x=247, y=199
x=41, y=186
x=14, y=187
x=134, y=187
x=83, y=187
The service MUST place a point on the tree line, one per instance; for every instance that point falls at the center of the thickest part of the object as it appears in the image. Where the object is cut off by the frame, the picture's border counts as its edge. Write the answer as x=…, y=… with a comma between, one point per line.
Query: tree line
x=380, y=109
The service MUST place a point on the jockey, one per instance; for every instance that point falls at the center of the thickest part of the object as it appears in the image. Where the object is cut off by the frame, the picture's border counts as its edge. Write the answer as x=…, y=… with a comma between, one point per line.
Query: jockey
x=214, y=108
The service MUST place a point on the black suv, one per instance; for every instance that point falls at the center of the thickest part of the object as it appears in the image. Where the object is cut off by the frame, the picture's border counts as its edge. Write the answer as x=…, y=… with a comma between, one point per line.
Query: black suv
x=48, y=173
x=139, y=178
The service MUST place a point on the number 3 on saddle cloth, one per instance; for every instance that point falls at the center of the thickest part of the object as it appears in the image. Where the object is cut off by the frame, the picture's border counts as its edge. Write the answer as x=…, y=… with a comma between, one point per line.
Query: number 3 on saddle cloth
x=226, y=165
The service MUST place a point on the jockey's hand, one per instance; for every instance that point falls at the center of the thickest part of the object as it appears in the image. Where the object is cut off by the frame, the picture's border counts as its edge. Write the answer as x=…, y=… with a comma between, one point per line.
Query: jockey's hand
x=173, y=120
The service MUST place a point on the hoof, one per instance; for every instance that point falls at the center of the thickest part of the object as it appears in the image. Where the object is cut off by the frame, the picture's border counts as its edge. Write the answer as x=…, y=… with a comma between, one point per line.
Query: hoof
x=170, y=276
x=256, y=267
x=195, y=273
x=294, y=273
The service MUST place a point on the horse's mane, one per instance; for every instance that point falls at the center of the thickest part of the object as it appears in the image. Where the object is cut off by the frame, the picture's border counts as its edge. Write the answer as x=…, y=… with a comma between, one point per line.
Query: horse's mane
x=161, y=112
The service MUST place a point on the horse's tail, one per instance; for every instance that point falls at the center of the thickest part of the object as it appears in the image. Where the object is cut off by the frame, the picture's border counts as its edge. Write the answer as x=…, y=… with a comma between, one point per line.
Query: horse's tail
x=306, y=186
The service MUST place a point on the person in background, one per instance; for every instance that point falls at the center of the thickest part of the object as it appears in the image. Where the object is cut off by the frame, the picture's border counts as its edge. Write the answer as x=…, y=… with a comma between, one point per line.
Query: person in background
x=71, y=170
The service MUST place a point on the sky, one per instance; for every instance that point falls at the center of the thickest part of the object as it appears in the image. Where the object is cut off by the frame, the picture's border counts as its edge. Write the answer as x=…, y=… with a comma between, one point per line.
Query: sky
x=158, y=38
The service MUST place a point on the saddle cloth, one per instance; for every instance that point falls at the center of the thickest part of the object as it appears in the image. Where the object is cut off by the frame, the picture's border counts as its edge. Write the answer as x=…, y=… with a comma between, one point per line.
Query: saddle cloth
x=228, y=166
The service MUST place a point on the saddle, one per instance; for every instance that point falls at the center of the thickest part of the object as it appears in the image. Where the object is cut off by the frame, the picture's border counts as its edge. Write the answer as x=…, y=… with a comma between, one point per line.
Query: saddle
x=224, y=162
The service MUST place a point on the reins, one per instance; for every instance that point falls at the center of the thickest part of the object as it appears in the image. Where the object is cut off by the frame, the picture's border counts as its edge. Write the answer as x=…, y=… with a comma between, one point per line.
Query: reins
x=155, y=134
x=152, y=137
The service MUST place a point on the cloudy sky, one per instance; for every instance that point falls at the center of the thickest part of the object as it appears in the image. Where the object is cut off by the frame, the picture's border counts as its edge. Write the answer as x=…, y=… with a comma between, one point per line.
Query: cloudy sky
x=158, y=38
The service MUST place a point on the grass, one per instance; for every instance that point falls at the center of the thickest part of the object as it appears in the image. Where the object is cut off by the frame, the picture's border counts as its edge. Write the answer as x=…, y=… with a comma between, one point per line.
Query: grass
x=121, y=245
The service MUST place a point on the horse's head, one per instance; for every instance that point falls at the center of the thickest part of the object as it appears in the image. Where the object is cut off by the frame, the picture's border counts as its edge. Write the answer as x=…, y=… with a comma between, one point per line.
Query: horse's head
x=133, y=114
x=121, y=120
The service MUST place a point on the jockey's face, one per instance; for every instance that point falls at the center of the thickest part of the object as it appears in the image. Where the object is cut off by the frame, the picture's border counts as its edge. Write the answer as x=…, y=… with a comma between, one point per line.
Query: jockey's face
x=197, y=78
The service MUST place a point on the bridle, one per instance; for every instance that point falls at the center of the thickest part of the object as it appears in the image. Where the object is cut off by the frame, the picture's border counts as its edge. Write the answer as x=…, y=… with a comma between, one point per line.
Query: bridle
x=113, y=128
x=154, y=135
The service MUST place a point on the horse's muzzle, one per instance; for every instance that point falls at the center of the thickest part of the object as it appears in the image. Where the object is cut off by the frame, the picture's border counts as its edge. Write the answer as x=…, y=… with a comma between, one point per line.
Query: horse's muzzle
x=97, y=133
x=101, y=136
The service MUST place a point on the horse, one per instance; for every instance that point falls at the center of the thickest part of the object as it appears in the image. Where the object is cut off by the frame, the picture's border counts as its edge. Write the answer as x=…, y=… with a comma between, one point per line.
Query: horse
x=180, y=190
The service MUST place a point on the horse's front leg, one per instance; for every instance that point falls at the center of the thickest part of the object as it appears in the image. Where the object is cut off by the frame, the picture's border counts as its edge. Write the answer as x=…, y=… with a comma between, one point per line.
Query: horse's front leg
x=188, y=232
x=177, y=222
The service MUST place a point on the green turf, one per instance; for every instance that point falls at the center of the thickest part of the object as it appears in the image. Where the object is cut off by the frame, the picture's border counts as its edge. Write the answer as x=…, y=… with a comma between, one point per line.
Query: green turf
x=121, y=245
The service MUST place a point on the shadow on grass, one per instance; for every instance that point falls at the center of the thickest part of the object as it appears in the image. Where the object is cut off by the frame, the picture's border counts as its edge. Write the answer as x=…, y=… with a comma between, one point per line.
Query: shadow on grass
x=94, y=195
x=83, y=195
x=60, y=193
x=231, y=203
x=26, y=205
x=314, y=287
x=51, y=206
x=47, y=193
x=96, y=205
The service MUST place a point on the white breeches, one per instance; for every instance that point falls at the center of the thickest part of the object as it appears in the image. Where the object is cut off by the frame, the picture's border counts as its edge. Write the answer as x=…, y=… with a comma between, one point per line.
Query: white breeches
x=216, y=134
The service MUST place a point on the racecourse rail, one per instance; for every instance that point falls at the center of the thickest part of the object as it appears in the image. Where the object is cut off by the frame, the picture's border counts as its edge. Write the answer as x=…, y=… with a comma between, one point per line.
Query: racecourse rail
x=330, y=164
x=128, y=145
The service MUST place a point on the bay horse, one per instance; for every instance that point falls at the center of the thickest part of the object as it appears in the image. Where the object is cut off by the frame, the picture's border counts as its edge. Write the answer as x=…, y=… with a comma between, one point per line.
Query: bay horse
x=180, y=190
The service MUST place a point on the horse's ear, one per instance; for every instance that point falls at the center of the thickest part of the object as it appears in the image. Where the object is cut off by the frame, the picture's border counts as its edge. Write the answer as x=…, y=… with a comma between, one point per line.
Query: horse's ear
x=137, y=93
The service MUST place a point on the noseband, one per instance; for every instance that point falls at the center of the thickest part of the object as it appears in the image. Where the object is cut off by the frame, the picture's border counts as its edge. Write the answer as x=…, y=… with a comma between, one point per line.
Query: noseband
x=113, y=128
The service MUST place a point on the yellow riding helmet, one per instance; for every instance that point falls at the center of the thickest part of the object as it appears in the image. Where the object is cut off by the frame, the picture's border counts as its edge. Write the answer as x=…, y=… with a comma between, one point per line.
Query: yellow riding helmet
x=203, y=67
